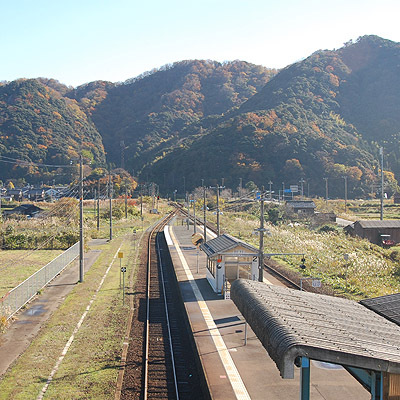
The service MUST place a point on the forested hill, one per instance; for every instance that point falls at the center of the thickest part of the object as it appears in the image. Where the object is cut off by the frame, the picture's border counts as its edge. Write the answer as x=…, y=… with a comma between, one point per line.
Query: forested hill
x=38, y=124
x=323, y=117
x=148, y=113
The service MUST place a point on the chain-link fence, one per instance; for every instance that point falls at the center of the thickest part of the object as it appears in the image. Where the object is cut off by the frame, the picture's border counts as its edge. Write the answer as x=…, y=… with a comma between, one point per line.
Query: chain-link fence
x=20, y=295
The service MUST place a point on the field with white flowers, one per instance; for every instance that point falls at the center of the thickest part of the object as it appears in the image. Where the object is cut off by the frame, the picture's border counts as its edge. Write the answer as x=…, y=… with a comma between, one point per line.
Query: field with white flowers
x=353, y=267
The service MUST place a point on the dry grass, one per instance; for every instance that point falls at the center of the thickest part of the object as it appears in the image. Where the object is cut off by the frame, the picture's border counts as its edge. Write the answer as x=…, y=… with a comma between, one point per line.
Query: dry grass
x=90, y=368
x=18, y=265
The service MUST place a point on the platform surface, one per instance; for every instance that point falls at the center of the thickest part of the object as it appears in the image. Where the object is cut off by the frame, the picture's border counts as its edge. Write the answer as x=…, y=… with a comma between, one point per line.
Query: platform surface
x=233, y=369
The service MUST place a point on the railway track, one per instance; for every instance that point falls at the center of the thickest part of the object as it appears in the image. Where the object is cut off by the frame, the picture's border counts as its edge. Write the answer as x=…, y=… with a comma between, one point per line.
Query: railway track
x=160, y=363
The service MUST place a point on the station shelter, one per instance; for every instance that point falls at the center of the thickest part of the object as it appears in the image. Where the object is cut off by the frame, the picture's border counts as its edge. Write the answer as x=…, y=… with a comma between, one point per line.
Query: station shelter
x=228, y=259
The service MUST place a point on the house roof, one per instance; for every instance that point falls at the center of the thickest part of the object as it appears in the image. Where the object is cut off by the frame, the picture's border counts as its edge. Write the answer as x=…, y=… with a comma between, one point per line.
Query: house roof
x=24, y=209
x=224, y=243
x=291, y=323
x=387, y=306
x=376, y=223
x=301, y=203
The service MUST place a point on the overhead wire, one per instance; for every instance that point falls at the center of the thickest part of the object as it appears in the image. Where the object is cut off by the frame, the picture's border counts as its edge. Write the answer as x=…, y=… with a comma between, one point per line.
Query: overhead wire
x=11, y=160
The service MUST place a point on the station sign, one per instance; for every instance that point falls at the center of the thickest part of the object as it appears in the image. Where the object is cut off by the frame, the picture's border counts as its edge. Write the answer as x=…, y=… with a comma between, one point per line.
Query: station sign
x=316, y=283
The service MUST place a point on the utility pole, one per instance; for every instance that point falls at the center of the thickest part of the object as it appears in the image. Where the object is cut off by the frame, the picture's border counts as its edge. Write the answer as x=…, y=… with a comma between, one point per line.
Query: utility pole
x=188, y=209
x=218, y=188
x=283, y=191
x=345, y=193
x=326, y=190
x=110, y=198
x=261, y=247
x=382, y=182
x=81, y=219
x=218, y=227
x=126, y=201
x=153, y=201
x=270, y=190
x=1, y=193
x=98, y=204
x=194, y=214
x=204, y=211
x=302, y=188
x=141, y=202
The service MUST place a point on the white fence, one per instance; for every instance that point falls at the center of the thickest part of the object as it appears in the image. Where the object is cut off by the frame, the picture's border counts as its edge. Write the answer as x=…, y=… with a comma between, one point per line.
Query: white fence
x=25, y=291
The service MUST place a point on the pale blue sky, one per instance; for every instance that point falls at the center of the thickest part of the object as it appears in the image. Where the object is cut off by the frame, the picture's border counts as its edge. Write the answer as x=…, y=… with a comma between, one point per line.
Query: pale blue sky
x=78, y=41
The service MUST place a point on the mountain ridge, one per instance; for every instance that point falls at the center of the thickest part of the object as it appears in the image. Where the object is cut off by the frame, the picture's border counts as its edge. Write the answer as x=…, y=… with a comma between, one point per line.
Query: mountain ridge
x=324, y=116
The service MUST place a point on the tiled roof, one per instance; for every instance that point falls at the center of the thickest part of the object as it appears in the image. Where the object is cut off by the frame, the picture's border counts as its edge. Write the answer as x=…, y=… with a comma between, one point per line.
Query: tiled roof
x=291, y=323
x=224, y=243
x=376, y=223
x=387, y=306
x=301, y=204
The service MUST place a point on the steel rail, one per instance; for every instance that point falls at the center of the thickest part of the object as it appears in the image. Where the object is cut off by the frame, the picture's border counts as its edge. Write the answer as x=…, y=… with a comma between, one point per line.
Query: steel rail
x=154, y=230
x=167, y=318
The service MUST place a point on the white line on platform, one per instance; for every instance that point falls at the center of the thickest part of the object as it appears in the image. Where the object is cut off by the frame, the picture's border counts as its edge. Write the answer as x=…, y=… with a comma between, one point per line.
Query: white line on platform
x=71, y=339
x=230, y=367
x=167, y=236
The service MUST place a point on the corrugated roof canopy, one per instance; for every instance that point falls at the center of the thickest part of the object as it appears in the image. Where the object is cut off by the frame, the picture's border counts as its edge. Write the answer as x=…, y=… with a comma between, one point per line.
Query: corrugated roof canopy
x=291, y=323
x=224, y=243
x=387, y=306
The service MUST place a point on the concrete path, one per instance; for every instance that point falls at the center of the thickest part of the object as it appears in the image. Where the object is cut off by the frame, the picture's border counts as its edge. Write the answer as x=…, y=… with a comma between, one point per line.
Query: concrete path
x=27, y=323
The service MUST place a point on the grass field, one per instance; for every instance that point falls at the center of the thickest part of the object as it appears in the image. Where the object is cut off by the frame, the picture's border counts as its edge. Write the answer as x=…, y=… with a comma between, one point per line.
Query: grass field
x=17, y=265
x=369, y=271
x=90, y=368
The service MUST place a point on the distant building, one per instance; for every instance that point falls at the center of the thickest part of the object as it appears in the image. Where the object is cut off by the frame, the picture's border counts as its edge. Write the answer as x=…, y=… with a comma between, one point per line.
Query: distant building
x=301, y=207
x=376, y=231
x=35, y=194
x=14, y=194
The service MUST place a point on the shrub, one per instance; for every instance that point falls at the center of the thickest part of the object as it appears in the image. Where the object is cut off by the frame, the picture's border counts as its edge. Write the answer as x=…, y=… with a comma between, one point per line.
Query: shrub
x=328, y=228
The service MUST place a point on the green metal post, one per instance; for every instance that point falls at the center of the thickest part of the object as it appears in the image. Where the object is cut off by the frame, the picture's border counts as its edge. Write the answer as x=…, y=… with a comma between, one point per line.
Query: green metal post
x=305, y=379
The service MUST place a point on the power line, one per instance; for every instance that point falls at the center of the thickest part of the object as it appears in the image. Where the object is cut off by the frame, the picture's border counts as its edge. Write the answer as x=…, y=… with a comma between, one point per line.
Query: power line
x=17, y=161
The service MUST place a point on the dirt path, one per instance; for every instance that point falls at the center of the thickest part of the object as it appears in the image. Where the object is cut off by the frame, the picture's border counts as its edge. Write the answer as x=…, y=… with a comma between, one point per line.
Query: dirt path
x=28, y=322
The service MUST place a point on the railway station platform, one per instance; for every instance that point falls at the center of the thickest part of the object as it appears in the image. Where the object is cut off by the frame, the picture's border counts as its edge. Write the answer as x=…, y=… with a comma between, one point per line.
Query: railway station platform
x=236, y=368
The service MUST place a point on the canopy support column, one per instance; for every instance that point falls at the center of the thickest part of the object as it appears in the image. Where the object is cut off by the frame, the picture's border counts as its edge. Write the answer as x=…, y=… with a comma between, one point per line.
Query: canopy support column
x=305, y=379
